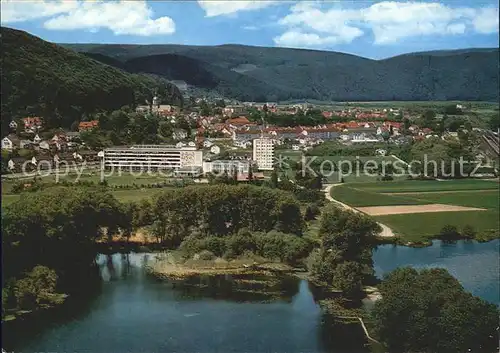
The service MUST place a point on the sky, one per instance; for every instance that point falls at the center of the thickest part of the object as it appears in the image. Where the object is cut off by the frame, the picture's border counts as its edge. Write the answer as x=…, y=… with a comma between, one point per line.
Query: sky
x=373, y=29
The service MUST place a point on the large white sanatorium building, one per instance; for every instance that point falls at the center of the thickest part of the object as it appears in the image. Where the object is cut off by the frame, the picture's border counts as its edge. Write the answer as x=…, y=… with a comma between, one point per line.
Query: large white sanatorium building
x=153, y=156
x=263, y=153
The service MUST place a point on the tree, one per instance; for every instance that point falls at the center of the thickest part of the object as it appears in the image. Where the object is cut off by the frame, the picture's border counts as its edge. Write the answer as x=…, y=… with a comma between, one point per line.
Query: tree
x=429, y=311
x=468, y=231
x=274, y=178
x=348, y=277
x=37, y=289
x=346, y=240
x=449, y=232
x=75, y=125
x=165, y=129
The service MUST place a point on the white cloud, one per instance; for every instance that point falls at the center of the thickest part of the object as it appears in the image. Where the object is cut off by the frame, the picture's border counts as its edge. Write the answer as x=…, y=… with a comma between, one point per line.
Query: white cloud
x=486, y=20
x=389, y=21
x=20, y=11
x=120, y=17
x=250, y=28
x=214, y=8
x=296, y=38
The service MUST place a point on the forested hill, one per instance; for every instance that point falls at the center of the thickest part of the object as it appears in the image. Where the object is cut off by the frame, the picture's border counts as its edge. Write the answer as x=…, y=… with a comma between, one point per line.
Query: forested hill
x=44, y=79
x=273, y=74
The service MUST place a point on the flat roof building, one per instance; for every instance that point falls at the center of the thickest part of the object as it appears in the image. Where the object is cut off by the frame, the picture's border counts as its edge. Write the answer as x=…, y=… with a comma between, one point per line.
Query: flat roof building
x=221, y=166
x=152, y=157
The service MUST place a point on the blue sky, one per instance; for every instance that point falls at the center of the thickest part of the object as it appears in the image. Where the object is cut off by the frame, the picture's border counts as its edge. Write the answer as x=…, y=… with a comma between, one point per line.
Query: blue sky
x=375, y=29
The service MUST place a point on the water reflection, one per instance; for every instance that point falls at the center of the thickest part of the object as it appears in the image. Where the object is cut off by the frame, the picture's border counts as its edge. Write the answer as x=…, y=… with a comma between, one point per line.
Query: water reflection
x=134, y=312
x=475, y=265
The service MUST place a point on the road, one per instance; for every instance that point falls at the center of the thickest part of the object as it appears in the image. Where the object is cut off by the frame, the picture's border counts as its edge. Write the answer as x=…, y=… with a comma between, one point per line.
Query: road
x=386, y=231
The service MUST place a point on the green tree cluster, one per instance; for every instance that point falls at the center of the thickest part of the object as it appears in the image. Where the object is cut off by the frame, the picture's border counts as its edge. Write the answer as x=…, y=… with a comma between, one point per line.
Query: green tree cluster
x=344, y=260
x=223, y=210
x=61, y=86
x=48, y=235
x=429, y=311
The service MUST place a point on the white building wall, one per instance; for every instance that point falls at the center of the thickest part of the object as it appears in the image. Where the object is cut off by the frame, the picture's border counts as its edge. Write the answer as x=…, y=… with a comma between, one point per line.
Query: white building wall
x=263, y=153
x=153, y=156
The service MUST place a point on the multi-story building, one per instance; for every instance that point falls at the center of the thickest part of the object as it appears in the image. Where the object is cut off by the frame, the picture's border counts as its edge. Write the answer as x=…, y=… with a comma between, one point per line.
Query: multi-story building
x=153, y=157
x=229, y=166
x=263, y=153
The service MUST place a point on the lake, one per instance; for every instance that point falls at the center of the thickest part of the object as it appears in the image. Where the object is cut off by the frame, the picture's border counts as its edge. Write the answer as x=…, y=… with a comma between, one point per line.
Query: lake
x=475, y=265
x=133, y=312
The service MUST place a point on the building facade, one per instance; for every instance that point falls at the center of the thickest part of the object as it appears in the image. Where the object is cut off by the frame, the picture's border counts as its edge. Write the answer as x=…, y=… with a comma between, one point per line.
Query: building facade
x=263, y=153
x=153, y=157
x=221, y=166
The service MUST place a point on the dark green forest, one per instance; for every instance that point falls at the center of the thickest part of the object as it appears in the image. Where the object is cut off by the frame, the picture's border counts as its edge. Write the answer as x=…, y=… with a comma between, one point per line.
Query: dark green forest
x=43, y=79
x=278, y=74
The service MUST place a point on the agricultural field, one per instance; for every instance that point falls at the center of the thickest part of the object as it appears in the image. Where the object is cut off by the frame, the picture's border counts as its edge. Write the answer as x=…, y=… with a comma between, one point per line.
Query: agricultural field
x=427, y=185
x=435, y=204
x=336, y=177
x=360, y=198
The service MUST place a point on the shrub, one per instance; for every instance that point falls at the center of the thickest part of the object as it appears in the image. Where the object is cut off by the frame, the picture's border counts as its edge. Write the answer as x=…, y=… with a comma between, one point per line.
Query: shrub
x=311, y=212
x=239, y=243
x=216, y=245
x=191, y=245
x=206, y=255
x=449, y=232
x=468, y=232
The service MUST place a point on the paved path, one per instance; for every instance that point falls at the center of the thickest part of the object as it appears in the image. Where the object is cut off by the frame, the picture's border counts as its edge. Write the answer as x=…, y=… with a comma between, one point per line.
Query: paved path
x=386, y=231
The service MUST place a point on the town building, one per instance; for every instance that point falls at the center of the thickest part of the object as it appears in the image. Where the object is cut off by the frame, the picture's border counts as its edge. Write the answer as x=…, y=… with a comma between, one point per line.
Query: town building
x=153, y=157
x=221, y=166
x=263, y=153
x=88, y=125
x=10, y=142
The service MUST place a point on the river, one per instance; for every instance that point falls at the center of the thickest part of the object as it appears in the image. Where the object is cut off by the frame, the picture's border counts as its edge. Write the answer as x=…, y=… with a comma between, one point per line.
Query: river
x=132, y=312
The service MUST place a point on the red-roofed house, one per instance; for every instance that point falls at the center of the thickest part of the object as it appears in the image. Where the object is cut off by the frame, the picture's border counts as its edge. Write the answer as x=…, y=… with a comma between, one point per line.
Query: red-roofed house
x=32, y=123
x=239, y=121
x=88, y=125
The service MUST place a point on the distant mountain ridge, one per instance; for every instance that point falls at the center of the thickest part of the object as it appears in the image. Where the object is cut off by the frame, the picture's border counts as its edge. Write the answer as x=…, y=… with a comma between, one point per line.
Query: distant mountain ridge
x=44, y=79
x=272, y=74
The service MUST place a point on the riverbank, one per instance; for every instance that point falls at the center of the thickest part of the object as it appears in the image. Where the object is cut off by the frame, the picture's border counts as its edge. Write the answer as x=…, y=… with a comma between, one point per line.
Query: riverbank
x=171, y=265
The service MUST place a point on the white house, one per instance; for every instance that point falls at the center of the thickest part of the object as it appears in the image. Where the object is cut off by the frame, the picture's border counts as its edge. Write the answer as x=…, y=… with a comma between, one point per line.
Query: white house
x=25, y=143
x=44, y=145
x=179, y=134
x=13, y=125
x=207, y=143
x=381, y=152
x=180, y=144
x=295, y=147
x=243, y=144
x=7, y=144
x=191, y=144
x=37, y=139
x=215, y=149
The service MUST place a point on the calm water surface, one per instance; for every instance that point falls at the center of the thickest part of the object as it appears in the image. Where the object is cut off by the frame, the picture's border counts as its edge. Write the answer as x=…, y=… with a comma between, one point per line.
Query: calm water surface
x=475, y=265
x=135, y=313
x=132, y=312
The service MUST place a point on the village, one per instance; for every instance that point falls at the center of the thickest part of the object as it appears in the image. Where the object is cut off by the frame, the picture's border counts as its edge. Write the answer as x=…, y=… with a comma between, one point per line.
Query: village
x=228, y=132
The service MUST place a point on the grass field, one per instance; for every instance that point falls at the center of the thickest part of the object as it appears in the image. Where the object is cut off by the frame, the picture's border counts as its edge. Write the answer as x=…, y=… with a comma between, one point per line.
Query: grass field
x=427, y=185
x=122, y=195
x=480, y=199
x=335, y=177
x=422, y=226
x=133, y=195
x=361, y=198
